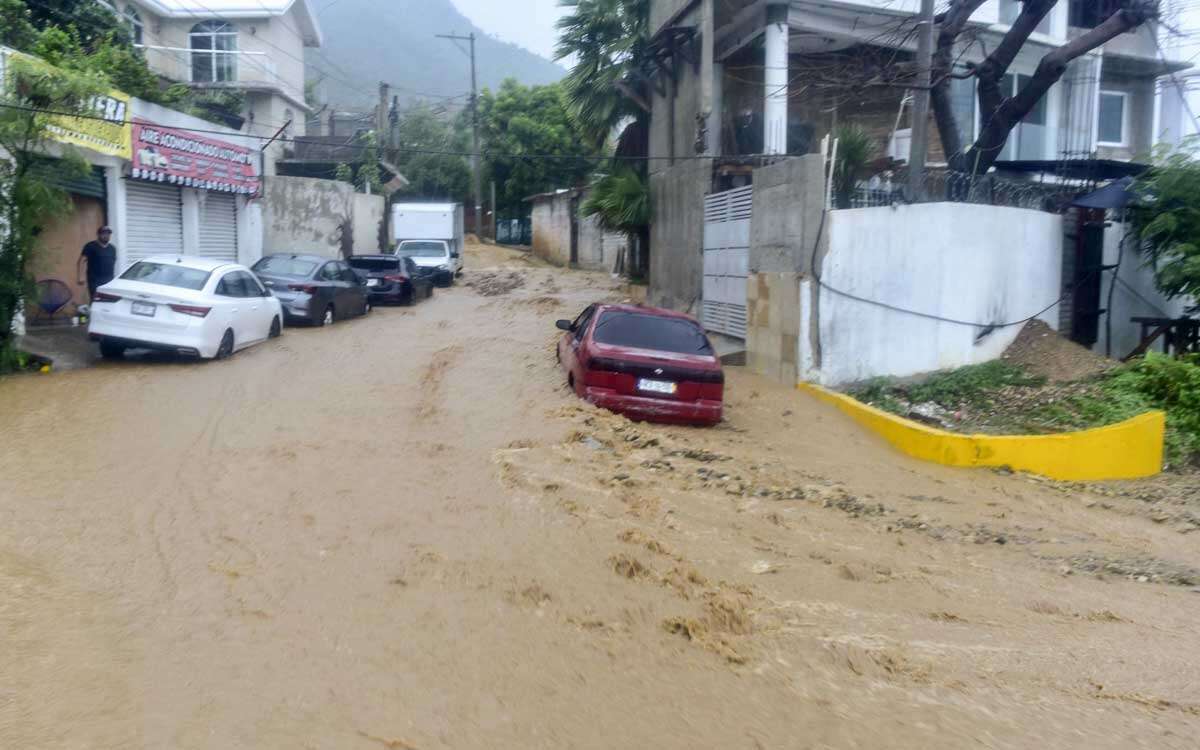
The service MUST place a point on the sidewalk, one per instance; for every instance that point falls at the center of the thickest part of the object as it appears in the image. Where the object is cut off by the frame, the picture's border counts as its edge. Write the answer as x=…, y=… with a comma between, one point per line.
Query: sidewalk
x=67, y=347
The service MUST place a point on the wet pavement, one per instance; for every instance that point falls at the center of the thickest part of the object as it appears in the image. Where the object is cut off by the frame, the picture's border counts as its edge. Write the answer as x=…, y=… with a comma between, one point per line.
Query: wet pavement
x=404, y=532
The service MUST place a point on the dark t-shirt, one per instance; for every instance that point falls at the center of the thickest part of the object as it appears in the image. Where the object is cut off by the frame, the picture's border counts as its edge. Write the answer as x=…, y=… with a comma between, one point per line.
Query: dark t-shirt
x=101, y=262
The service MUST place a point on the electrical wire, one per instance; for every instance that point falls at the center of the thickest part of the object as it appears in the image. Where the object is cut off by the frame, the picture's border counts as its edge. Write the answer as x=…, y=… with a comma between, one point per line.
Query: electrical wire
x=434, y=152
x=987, y=327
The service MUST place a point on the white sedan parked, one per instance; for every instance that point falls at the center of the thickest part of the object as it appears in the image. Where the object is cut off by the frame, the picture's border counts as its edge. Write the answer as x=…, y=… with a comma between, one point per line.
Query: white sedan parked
x=182, y=304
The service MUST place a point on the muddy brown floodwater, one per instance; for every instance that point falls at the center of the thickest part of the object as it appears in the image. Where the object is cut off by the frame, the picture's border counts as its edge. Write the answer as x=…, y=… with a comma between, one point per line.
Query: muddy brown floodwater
x=403, y=532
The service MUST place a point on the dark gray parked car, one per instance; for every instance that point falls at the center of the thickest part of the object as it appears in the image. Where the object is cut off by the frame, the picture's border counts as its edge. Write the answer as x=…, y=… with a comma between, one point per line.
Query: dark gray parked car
x=313, y=289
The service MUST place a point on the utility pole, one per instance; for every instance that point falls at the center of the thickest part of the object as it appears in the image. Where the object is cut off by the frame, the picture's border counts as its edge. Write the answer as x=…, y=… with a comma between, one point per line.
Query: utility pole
x=476, y=161
x=919, y=145
x=381, y=114
x=494, y=214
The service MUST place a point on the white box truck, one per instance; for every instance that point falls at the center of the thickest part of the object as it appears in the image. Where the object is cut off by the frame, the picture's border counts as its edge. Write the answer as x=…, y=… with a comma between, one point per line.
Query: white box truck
x=432, y=235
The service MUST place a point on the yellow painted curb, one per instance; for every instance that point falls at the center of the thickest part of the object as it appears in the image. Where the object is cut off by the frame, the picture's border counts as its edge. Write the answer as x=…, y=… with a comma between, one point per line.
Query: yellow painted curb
x=1128, y=450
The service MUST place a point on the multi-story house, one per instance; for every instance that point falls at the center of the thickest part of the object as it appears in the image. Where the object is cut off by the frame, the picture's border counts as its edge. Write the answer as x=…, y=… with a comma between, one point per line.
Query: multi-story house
x=744, y=93
x=785, y=73
x=254, y=48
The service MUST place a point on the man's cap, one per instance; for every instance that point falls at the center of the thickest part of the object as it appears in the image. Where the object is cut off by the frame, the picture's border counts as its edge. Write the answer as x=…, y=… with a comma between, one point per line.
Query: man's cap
x=104, y=230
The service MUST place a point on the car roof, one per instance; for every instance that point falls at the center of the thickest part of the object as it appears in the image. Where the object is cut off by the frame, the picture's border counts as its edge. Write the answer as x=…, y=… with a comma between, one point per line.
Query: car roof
x=658, y=312
x=299, y=256
x=189, y=261
x=375, y=257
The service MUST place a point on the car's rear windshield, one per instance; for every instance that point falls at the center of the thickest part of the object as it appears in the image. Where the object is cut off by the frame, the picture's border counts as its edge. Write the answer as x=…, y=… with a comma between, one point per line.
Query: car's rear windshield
x=167, y=274
x=641, y=331
x=422, y=249
x=283, y=266
x=375, y=264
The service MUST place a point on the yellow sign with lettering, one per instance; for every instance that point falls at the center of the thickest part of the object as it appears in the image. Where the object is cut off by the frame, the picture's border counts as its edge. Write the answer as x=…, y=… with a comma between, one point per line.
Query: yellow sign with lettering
x=104, y=128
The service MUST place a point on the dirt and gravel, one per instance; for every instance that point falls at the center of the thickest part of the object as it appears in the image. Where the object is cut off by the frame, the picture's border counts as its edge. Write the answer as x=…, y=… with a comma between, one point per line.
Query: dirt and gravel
x=404, y=532
x=1041, y=351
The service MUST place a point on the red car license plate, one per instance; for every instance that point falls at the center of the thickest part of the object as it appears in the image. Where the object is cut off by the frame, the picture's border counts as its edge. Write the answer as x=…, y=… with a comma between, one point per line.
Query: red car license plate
x=656, y=386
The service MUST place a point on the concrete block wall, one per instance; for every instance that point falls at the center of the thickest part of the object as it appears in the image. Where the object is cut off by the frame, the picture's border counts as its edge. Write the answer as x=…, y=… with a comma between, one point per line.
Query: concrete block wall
x=773, y=339
x=305, y=215
x=788, y=197
x=597, y=249
x=677, y=234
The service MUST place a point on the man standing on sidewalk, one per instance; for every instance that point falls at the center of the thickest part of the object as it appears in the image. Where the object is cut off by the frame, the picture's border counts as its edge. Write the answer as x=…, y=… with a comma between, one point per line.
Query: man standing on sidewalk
x=101, y=257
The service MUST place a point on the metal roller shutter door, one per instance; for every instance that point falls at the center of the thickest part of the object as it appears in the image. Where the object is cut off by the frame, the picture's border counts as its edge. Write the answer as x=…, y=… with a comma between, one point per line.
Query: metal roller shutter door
x=218, y=227
x=155, y=217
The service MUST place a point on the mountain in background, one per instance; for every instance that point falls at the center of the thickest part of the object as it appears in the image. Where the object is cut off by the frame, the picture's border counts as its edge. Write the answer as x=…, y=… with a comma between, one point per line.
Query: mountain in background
x=368, y=41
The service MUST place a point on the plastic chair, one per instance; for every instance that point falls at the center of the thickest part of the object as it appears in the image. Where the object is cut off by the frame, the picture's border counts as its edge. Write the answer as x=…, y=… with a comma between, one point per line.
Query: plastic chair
x=53, y=296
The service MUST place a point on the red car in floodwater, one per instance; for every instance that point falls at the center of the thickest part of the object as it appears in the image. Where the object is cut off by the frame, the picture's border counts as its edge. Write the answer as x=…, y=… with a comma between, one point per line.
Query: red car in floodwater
x=644, y=362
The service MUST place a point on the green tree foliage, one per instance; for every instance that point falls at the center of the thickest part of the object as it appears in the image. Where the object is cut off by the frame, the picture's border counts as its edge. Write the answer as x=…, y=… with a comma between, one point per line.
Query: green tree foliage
x=620, y=202
x=609, y=40
x=368, y=178
x=522, y=120
x=83, y=35
x=856, y=149
x=344, y=173
x=422, y=133
x=27, y=202
x=16, y=25
x=94, y=24
x=1169, y=219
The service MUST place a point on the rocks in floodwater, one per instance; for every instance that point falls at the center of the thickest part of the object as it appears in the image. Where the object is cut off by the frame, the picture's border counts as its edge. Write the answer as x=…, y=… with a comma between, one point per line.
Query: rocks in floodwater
x=697, y=454
x=496, y=283
x=1140, y=569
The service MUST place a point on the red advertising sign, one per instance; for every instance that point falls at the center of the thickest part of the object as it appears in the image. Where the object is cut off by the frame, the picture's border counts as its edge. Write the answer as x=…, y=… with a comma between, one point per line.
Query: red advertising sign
x=179, y=157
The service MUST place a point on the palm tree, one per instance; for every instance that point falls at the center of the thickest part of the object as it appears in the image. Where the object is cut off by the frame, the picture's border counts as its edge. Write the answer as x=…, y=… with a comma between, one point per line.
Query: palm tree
x=609, y=87
x=608, y=83
x=620, y=202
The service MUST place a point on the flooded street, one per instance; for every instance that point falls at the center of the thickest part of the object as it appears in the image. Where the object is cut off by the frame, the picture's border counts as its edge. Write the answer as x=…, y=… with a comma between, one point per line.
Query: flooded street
x=404, y=532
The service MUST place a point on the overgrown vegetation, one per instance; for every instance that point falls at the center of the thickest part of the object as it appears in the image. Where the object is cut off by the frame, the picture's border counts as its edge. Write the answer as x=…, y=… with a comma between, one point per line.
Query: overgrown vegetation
x=973, y=385
x=1169, y=218
x=27, y=201
x=84, y=36
x=1002, y=397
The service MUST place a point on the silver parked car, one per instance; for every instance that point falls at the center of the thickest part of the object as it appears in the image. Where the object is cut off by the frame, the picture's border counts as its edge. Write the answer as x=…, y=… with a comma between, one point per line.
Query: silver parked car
x=312, y=289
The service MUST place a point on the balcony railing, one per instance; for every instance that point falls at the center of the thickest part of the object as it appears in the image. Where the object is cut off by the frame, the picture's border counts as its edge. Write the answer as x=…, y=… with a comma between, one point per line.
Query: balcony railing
x=238, y=66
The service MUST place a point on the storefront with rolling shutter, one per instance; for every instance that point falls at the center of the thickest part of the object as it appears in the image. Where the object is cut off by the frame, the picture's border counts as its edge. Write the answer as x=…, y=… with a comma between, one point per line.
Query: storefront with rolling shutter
x=189, y=190
x=154, y=218
x=218, y=227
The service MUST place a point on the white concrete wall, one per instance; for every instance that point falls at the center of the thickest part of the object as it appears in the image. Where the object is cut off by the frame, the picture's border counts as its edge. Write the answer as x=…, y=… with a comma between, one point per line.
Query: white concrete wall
x=368, y=215
x=984, y=264
x=1136, y=295
x=304, y=215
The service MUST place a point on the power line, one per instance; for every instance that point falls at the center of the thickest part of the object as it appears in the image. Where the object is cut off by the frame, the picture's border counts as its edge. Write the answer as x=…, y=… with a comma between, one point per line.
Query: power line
x=987, y=327
x=434, y=152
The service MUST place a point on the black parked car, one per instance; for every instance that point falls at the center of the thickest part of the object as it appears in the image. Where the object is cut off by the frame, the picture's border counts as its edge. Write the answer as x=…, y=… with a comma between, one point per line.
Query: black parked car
x=395, y=279
x=313, y=289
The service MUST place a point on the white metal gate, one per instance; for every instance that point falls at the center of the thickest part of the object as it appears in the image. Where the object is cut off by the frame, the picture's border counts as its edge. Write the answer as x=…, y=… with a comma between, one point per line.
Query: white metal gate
x=218, y=227
x=155, y=217
x=726, y=260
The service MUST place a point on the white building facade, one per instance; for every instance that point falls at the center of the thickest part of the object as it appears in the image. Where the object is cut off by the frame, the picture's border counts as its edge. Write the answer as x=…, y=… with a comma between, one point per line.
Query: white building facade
x=254, y=47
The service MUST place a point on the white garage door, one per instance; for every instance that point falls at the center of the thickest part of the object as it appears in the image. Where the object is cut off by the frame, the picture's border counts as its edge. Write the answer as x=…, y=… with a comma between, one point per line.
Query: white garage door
x=155, y=216
x=726, y=260
x=218, y=226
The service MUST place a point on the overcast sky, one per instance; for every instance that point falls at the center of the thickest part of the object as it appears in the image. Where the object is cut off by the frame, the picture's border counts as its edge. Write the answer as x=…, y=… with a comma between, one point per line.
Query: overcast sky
x=529, y=23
